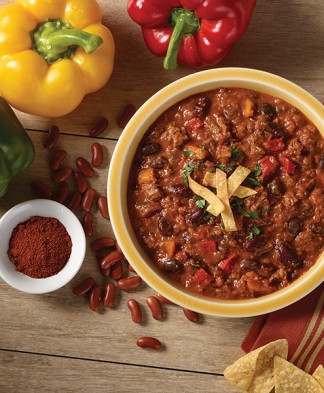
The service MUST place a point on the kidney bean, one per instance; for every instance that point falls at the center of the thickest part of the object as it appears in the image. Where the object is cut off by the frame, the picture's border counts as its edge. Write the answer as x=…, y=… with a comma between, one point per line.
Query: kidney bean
x=88, y=199
x=102, y=204
x=287, y=254
x=129, y=283
x=276, y=188
x=294, y=226
x=202, y=107
x=155, y=307
x=97, y=155
x=62, y=193
x=181, y=190
x=249, y=265
x=52, y=138
x=111, y=259
x=254, y=243
x=170, y=265
x=110, y=295
x=127, y=114
x=61, y=175
x=149, y=342
x=84, y=167
x=150, y=148
x=118, y=248
x=94, y=299
x=117, y=270
x=165, y=227
x=57, y=159
x=99, y=257
x=99, y=127
x=163, y=299
x=196, y=218
x=102, y=242
x=317, y=228
x=87, y=224
x=41, y=189
x=75, y=201
x=130, y=268
x=83, y=287
x=135, y=310
x=192, y=316
x=80, y=181
x=267, y=110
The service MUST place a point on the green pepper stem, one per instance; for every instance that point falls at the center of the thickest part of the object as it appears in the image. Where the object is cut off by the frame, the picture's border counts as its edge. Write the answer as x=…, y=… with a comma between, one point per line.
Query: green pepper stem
x=184, y=23
x=55, y=40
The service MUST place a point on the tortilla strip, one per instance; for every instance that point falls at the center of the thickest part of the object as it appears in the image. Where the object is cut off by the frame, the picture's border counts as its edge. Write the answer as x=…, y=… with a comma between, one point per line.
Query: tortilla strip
x=236, y=178
x=216, y=204
x=291, y=379
x=253, y=372
x=222, y=193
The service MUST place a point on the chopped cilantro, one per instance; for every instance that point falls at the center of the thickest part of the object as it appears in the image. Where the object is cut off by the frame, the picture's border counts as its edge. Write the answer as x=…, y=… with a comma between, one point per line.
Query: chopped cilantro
x=253, y=177
x=236, y=153
x=202, y=147
x=253, y=182
x=200, y=202
x=187, y=172
x=188, y=153
x=256, y=171
x=220, y=166
x=254, y=232
x=252, y=214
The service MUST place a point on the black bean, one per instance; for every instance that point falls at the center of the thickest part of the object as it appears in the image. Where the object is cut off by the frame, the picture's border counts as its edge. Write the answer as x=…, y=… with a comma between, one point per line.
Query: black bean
x=276, y=188
x=150, y=148
x=181, y=190
x=317, y=228
x=294, y=226
x=170, y=265
x=267, y=110
x=196, y=218
x=165, y=227
x=202, y=107
x=249, y=265
x=254, y=243
x=287, y=254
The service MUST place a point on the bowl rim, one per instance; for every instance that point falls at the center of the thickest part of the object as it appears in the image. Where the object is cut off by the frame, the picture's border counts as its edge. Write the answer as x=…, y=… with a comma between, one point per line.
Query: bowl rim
x=45, y=208
x=118, y=178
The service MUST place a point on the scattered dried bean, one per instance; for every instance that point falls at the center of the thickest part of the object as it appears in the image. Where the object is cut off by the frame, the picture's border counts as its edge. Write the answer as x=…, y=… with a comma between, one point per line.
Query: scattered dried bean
x=52, y=138
x=62, y=193
x=41, y=189
x=99, y=127
x=130, y=268
x=88, y=199
x=118, y=247
x=110, y=295
x=97, y=155
x=61, y=175
x=149, y=342
x=129, y=283
x=87, y=224
x=192, y=316
x=111, y=259
x=99, y=257
x=102, y=204
x=75, y=201
x=102, y=242
x=163, y=299
x=135, y=310
x=117, y=270
x=94, y=299
x=57, y=158
x=155, y=307
x=84, y=167
x=127, y=114
x=83, y=287
x=80, y=181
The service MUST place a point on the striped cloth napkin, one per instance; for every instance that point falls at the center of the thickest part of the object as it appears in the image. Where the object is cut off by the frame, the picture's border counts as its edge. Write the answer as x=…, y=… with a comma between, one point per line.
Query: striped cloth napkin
x=301, y=323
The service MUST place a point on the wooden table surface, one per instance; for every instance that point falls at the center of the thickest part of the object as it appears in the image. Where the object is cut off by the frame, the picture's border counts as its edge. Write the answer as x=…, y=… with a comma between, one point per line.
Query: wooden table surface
x=54, y=342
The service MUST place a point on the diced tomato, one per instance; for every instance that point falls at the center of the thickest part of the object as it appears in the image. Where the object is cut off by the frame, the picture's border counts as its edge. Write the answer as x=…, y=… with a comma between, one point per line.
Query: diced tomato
x=287, y=165
x=202, y=277
x=268, y=166
x=194, y=124
x=275, y=145
x=208, y=245
x=227, y=264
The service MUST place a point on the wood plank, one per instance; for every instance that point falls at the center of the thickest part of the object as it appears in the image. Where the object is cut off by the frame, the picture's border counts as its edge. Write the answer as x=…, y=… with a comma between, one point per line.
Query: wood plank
x=23, y=372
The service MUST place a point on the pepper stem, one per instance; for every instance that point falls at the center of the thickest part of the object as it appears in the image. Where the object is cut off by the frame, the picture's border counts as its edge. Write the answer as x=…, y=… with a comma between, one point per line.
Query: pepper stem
x=184, y=22
x=55, y=40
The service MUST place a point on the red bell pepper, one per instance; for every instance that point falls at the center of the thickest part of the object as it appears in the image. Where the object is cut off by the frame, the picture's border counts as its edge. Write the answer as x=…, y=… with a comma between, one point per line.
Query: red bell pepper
x=275, y=145
x=202, y=277
x=208, y=245
x=287, y=165
x=268, y=166
x=195, y=33
x=227, y=264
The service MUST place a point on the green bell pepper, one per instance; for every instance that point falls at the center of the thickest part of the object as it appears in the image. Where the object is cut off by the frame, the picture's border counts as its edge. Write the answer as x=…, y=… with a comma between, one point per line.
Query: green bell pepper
x=16, y=148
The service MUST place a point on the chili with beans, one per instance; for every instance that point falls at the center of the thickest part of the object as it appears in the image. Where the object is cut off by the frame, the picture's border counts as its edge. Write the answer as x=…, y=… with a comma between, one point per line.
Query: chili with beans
x=280, y=229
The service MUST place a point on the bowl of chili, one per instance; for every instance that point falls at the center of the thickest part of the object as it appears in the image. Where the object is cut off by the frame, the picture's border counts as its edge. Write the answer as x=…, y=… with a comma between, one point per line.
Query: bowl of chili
x=42, y=246
x=242, y=246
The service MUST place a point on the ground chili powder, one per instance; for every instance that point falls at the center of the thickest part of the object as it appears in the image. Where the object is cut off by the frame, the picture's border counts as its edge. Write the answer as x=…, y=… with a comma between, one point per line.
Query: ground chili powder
x=40, y=247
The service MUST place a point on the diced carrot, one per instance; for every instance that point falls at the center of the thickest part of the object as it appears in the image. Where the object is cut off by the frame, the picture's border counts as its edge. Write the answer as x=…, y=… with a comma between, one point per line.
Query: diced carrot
x=146, y=176
x=202, y=277
x=199, y=152
x=248, y=108
x=170, y=247
x=227, y=264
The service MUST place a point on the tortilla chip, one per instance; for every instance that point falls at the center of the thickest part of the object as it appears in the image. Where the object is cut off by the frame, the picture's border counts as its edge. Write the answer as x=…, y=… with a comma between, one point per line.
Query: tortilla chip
x=237, y=178
x=291, y=379
x=244, y=192
x=216, y=204
x=253, y=373
x=222, y=193
x=318, y=374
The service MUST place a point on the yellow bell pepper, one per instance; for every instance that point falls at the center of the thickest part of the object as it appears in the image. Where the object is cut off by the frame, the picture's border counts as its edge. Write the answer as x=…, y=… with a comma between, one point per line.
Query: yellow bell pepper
x=52, y=53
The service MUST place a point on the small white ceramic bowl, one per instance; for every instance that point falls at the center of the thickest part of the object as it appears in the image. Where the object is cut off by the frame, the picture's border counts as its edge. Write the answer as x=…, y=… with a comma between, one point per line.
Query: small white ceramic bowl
x=45, y=208
x=118, y=180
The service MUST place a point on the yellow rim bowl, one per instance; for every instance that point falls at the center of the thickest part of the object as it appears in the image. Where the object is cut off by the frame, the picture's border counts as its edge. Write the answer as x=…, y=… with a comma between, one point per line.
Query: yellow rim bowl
x=118, y=180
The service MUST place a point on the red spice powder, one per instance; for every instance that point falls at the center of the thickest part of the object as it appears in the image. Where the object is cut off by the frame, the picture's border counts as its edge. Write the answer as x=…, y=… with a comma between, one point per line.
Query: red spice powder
x=40, y=247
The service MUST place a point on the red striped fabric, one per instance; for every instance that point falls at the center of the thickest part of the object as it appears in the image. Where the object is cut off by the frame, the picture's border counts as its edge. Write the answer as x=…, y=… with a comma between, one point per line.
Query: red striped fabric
x=301, y=323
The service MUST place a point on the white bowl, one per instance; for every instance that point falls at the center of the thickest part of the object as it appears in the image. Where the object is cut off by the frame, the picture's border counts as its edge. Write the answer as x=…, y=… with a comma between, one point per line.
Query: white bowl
x=118, y=181
x=45, y=208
